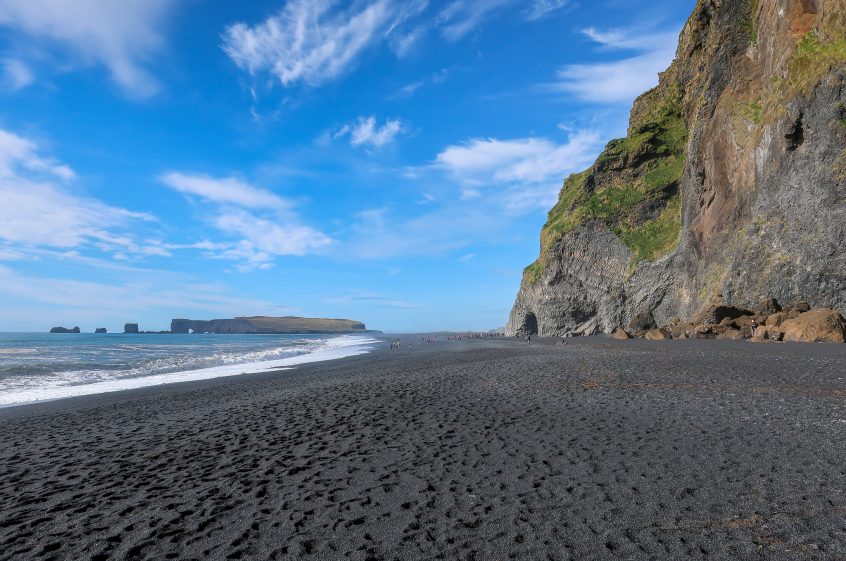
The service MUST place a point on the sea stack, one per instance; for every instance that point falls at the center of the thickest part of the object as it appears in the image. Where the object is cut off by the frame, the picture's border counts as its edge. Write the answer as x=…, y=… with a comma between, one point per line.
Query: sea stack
x=731, y=182
x=101, y=330
x=130, y=328
x=65, y=330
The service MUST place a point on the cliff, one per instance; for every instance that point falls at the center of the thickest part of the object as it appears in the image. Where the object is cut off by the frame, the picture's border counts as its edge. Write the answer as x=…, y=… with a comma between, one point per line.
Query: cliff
x=730, y=184
x=262, y=324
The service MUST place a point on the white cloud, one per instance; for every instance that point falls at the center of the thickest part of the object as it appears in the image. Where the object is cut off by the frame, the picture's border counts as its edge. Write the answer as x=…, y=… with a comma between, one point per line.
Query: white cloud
x=38, y=210
x=308, y=42
x=366, y=133
x=269, y=237
x=543, y=8
x=619, y=81
x=120, y=35
x=525, y=160
x=312, y=42
x=257, y=225
x=410, y=89
x=18, y=153
x=461, y=17
x=476, y=193
x=16, y=74
x=226, y=190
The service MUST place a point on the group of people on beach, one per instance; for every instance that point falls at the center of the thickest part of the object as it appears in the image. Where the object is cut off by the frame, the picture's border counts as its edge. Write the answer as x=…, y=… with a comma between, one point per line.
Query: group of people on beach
x=397, y=344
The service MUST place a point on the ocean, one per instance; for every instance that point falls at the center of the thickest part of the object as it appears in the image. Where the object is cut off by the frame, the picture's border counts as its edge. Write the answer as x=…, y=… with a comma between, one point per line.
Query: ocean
x=40, y=366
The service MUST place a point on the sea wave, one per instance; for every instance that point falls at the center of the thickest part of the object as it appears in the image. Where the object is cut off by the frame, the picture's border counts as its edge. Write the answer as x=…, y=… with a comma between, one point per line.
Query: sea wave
x=29, y=388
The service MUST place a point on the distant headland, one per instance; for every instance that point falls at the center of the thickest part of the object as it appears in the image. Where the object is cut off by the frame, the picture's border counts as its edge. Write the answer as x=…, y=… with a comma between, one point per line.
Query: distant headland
x=254, y=325
x=264, y=324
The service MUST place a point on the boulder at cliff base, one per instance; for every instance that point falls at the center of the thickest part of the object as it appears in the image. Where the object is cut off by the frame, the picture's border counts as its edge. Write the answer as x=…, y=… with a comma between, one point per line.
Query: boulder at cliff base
x=817, y=326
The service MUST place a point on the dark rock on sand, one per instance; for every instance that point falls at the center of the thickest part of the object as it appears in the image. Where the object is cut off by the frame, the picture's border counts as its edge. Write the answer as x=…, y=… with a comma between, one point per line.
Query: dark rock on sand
x=816, y=326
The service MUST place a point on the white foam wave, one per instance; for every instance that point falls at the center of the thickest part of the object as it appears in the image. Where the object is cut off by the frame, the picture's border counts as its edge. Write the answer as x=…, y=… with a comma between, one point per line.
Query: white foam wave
x=70, y=386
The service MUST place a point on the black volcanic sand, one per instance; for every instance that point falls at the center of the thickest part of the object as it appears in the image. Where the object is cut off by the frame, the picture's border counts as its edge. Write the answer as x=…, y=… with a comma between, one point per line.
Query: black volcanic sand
x=483, y=450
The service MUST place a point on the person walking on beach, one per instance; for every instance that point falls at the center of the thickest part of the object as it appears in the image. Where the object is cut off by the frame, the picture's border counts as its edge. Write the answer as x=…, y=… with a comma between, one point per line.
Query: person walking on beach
x=754, y=326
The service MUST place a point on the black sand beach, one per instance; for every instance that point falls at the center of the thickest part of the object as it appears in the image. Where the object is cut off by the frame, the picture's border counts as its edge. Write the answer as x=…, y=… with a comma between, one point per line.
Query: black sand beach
x=485, y=450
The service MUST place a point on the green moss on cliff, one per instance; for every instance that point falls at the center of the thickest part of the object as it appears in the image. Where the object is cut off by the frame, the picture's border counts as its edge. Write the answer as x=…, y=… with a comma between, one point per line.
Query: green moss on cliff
x=631, y=187
x=752, y=23
x=655, y=237
x=812, y=59
x=753, y=111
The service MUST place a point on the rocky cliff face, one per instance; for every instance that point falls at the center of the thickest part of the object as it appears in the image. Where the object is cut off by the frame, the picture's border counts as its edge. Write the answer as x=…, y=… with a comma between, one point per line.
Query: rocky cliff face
x=263, y=324
x=731, y=181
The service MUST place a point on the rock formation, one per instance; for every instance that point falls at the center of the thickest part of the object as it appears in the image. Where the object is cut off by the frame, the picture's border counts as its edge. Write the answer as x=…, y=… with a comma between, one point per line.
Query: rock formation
x=731, y=181
x=130, y=328
x=263, y=324
x=101, y=330
x=64, y=330
x=815, y=326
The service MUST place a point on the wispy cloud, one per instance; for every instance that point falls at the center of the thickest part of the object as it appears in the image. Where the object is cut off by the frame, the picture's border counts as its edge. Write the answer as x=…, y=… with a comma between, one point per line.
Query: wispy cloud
x=481, y=162
x=461, y=17
x=622, y=80
x=16, y=75
x=484, y=187
x=410, y=89
x=308, y=41
x=256, y=224
x=311, y=42
x=226, y=190
x=366, y=133
x=38, y=208
x=122, y=36
x=540, y=9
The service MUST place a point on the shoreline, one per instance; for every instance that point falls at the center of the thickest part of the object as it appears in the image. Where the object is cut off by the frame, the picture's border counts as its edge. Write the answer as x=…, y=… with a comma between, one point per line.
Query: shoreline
x=69, y=403
x=336, y=347
x=591, y=449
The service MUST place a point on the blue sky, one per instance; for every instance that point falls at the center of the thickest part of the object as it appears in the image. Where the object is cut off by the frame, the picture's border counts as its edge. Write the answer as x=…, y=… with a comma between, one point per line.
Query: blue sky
x=384, y=160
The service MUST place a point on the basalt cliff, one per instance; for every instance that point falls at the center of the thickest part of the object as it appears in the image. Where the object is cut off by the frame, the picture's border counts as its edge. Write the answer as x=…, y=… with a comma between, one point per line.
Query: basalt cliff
x=731, y=182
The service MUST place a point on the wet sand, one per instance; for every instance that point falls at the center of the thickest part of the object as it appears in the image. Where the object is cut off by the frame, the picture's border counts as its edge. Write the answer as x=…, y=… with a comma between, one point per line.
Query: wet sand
x=479, y=450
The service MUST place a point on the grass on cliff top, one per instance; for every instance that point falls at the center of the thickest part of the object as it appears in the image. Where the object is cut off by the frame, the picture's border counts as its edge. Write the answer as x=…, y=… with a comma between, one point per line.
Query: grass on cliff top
x=616, y=185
